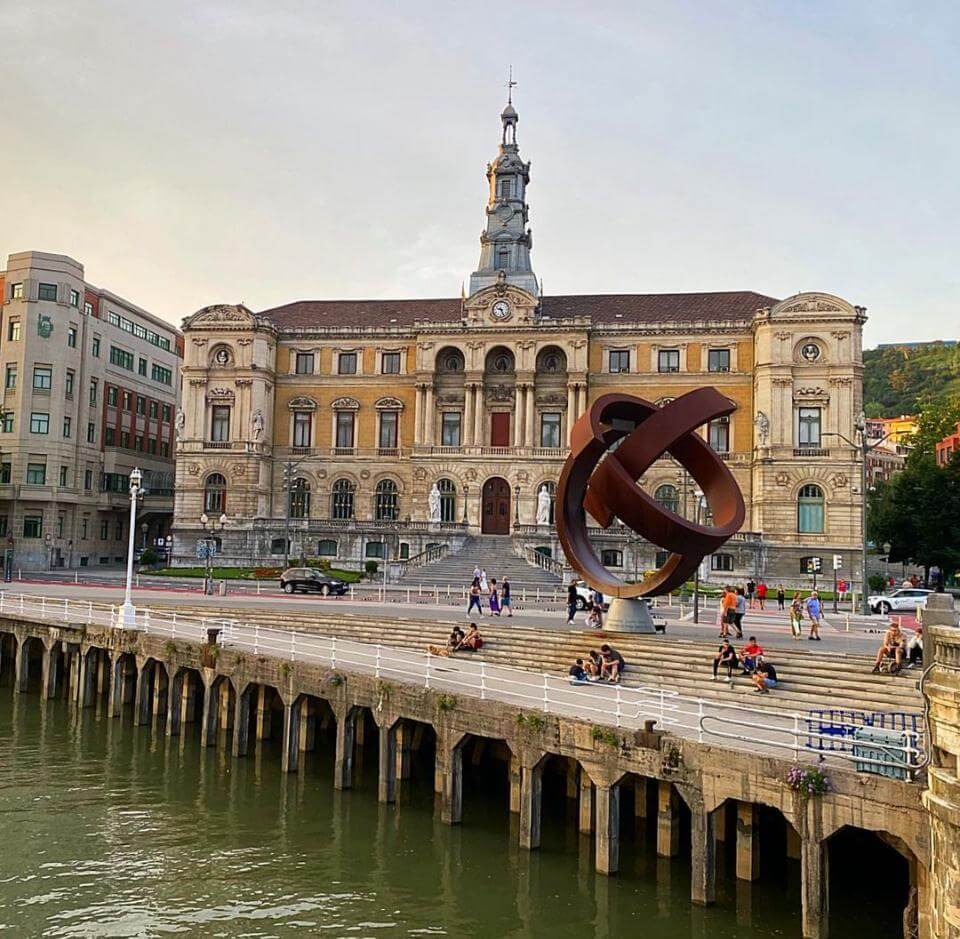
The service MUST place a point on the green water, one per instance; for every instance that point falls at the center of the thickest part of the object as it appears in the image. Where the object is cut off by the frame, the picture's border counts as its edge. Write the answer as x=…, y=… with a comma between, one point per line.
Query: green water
x=111, y=830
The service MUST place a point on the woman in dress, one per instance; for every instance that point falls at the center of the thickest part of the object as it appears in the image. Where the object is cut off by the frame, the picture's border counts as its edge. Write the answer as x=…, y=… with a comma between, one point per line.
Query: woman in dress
x=796, y=616
x=494, y=598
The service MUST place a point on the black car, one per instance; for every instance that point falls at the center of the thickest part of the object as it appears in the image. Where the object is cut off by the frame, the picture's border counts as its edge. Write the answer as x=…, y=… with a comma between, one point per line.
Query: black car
x=309, y=580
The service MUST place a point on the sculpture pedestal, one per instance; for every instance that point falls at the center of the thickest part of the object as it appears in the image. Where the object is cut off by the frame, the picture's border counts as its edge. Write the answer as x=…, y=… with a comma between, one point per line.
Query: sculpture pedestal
x=629, y=616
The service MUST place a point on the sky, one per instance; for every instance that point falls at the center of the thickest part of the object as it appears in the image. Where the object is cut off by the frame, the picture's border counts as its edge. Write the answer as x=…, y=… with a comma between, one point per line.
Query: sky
x=200, y=152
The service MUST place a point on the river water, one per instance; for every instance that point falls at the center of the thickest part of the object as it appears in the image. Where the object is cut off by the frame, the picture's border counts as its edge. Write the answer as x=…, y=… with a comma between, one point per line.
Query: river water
x=111, y=830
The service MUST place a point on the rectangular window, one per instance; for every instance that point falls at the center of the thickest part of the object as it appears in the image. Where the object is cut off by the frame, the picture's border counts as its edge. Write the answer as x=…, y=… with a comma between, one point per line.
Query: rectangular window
x=619, y=360
x=347, y=363
x=88, y=308
x=450, y=429
x=721, y=562
x=84, y=528
x=64, y=470
x=72, y=337
x=112, y=395
x=4, y=526
x=501, y=260
x=141, y=405
x=808, y=427
x=104, y=529
x=611, y=557
x=94, y=384
x=11, y=377
x=164, y=448
x=16, y=291
x=67, y=427
x=6, y=422
x=374, y=549
x=68, y=384
x=719, y=434
x=151, y=445
x=154, y=409
x=125, y=439
x=32, y=526
x=138, y=443
x=75, y=298
x=304, y=363
x=302, y=429
x=162, y=375
x=668, y=360
x=718, y=360
x=36, y=474
x=220, y=423
x=388, y=430
x=344, y=436
x=127, y=401
x=47, y=292
x=91, y=432
x=118, y=530
x=550, y=430
x=39, y=423
x=506, y=188
x=166, y=413
x=6, y=472
x=390, y=363
x=42, y=377
x=95, y=347
x=121, y=358
x=13, y=330
x=142, y=367
x=88, y=479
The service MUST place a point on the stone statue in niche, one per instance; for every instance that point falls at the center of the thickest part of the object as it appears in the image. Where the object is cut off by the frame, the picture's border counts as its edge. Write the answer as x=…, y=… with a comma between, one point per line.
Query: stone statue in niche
x=762, y=423
x=433, y=501
x=256, y=425
x=179, y=423
x=543, y=506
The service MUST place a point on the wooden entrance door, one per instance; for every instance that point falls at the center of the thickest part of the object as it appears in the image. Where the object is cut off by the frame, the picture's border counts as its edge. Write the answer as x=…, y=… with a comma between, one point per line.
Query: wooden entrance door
x=500, y=429
x=496, y=507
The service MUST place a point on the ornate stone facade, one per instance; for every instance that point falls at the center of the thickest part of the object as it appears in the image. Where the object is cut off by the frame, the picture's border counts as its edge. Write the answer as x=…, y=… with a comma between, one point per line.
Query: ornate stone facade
x=364, y=405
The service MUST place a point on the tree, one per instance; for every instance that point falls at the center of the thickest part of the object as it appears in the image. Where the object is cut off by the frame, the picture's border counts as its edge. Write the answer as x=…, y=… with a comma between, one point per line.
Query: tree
x=918, y=513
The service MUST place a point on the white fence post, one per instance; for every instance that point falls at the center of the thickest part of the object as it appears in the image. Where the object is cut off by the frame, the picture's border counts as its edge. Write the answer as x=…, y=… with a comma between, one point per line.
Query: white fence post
x=483, y=680
x=293, y=646
x=619, y=705
x=146, y=621
x=376, y=667
x=256, y=638
x=546, y=694
x=43, y=608
x=89, y=612
x=21, y=603
x=66, y=611
x=333, y=652
x=796, y=737
x=426, y=677
x=699, y=720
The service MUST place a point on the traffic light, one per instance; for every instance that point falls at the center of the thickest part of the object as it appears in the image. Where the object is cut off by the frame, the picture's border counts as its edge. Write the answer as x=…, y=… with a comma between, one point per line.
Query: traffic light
x=837, y=562
x=814, y=565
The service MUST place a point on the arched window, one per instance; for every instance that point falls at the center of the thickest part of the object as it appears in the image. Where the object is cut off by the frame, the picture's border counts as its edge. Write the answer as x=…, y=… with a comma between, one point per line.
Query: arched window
x=810, y=510
x=300, y=499
x=667, y=497
x=387, y=501
x=448, y=500
x=341, y=499
x=215, y=494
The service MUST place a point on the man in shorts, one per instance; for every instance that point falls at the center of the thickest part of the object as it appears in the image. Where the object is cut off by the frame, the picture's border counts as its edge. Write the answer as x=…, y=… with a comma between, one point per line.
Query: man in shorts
x=893, y=643
x=765, y=678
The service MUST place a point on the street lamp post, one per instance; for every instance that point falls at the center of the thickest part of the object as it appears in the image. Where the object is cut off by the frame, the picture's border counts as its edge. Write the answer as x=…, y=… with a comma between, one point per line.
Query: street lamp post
x=144, y=528
x=700, y=505
x=865, y=449
x=210, y=546
x=886, y=561
x=128, y=613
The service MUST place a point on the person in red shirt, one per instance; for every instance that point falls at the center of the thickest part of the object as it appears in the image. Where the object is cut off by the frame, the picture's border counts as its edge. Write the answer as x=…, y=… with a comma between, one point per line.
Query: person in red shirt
x=762, y=593
x=750, y=655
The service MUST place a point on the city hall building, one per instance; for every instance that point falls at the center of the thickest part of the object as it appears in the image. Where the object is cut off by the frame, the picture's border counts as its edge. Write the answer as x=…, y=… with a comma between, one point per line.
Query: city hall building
x=398, y=430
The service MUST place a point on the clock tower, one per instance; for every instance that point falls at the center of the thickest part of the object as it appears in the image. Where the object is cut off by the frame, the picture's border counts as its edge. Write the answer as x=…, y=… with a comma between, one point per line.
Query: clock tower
x=506, y=242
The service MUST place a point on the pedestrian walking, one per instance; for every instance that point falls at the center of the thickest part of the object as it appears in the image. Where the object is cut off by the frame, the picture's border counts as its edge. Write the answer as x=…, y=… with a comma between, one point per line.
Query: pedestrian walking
x=796, y=616
x=814, y=611
x=505, y=602
x=751, y=592
x=572, y=599
x=494, y=598
x=475, y=597
x=728, y=603
x=781, y=597
x=739, y=611
x=761, y=594
x=484, y=586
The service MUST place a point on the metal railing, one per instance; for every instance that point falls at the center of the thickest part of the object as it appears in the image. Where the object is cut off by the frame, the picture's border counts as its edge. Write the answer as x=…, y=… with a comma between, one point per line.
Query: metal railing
x=778, y=733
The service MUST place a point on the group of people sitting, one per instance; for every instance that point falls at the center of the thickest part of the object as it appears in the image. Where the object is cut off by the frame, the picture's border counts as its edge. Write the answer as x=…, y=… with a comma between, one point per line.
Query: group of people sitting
x=606, y=665
x=897, y=646
x=751, y=662
x=460, y=641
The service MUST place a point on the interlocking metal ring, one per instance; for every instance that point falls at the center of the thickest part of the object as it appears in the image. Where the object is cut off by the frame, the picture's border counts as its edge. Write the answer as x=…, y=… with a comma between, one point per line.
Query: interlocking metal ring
x=601, y=479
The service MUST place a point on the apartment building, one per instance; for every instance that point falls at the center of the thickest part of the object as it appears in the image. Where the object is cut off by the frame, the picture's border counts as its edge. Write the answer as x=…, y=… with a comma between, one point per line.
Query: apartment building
x=90, y=390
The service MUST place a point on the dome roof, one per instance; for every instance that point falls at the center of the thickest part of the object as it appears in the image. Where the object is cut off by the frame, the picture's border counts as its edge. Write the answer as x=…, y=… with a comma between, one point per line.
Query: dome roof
x=508, y=113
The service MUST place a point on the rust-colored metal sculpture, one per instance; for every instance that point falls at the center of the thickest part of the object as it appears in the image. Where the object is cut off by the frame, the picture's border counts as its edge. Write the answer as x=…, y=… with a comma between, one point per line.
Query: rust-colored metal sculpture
x=603, y=482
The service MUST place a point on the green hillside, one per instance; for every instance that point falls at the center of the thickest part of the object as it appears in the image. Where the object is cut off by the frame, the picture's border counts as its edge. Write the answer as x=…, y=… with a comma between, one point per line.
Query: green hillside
x=895, y=377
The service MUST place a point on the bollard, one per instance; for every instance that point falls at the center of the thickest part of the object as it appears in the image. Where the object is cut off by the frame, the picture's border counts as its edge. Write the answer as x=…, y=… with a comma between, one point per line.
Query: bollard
x=76, y=577
x=846, y=616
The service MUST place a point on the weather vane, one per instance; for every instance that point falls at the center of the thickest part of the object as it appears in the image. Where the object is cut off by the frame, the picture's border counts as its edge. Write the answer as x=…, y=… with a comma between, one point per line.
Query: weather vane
x=511, y=84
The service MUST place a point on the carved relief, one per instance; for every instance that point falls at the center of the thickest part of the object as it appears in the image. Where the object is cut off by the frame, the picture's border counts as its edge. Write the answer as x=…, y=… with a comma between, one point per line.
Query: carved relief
x=812, y=306
x=782, y=479
x=499, y=393
x=222, y=313
x=364, y=474
x=238, y=470
x=221, y=394
x=193, y=469
x=244, y=341
x=470, y=475
x=345, y=404
x=199, y=341
x=840, y=481
x=810, y=392
x=389, y=404
x=303, y=403
x=420, y=474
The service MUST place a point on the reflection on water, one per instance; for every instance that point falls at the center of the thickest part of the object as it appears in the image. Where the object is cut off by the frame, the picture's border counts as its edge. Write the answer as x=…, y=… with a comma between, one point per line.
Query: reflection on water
x=112, y=830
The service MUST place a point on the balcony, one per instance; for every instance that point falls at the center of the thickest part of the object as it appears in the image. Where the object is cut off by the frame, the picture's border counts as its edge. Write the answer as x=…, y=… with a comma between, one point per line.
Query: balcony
x=540, y=453
x=323, y=525
x=804, y=452
x=324, y=453
x=221, y=445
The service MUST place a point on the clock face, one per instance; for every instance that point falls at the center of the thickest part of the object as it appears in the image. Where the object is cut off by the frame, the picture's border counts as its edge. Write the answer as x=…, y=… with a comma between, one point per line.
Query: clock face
x=500, y=310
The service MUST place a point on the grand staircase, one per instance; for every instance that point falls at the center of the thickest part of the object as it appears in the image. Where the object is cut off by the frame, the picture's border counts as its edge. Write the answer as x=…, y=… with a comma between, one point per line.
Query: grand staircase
x=492, y=553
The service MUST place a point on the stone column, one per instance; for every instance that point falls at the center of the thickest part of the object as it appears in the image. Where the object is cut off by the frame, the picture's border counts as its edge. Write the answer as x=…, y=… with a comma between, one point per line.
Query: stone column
x=307, y=738
x=418, y=416
x=586, y=804
x=517, y=415
x=22, y=677
x=175, y=704
x=241, y=722
x=748, y=842
x=387, y=763
x=72, y=655
x=158, y=699
x=814, y=893
x=516, y=781
x=403, y=746
x=528, y=426
x=428, y=416
x=141, y=697
x=263, y=714
x=450, y=777
x=608, y=829
x=581, y=398
x=117, y=680
x=51, y=670
x=703, y=860
x=570, y=773
x=478, y=408
x=343, y=761
x=640, y=799
x=668, y=824
x=793, y=843
x=531, y=804
x=208, y=717
x=224, y=711
x=88, y=677
x=290, y=755
x=468, y=405
x=571, y=408
x=103, y=671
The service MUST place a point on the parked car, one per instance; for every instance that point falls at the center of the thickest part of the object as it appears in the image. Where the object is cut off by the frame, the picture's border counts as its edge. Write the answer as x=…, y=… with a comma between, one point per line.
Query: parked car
x=907, y=598
x=311, y=581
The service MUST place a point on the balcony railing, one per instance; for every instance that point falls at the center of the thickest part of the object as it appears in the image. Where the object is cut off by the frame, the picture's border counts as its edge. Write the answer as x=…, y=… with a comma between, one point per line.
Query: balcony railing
x=321, y=525
x=551, y=453
x=221, y=444
x=810, y=451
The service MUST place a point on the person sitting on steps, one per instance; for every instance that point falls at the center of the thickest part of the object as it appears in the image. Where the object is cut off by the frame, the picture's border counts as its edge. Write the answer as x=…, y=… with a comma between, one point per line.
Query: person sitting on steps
x=578, y=673
x=727, y=657
x=613, y=663
x=751, y=654
x=473, y=641
x=765, y=678
x=893, y=643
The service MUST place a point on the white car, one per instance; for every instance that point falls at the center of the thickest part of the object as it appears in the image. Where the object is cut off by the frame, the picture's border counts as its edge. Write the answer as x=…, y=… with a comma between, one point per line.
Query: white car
x=906, y=599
